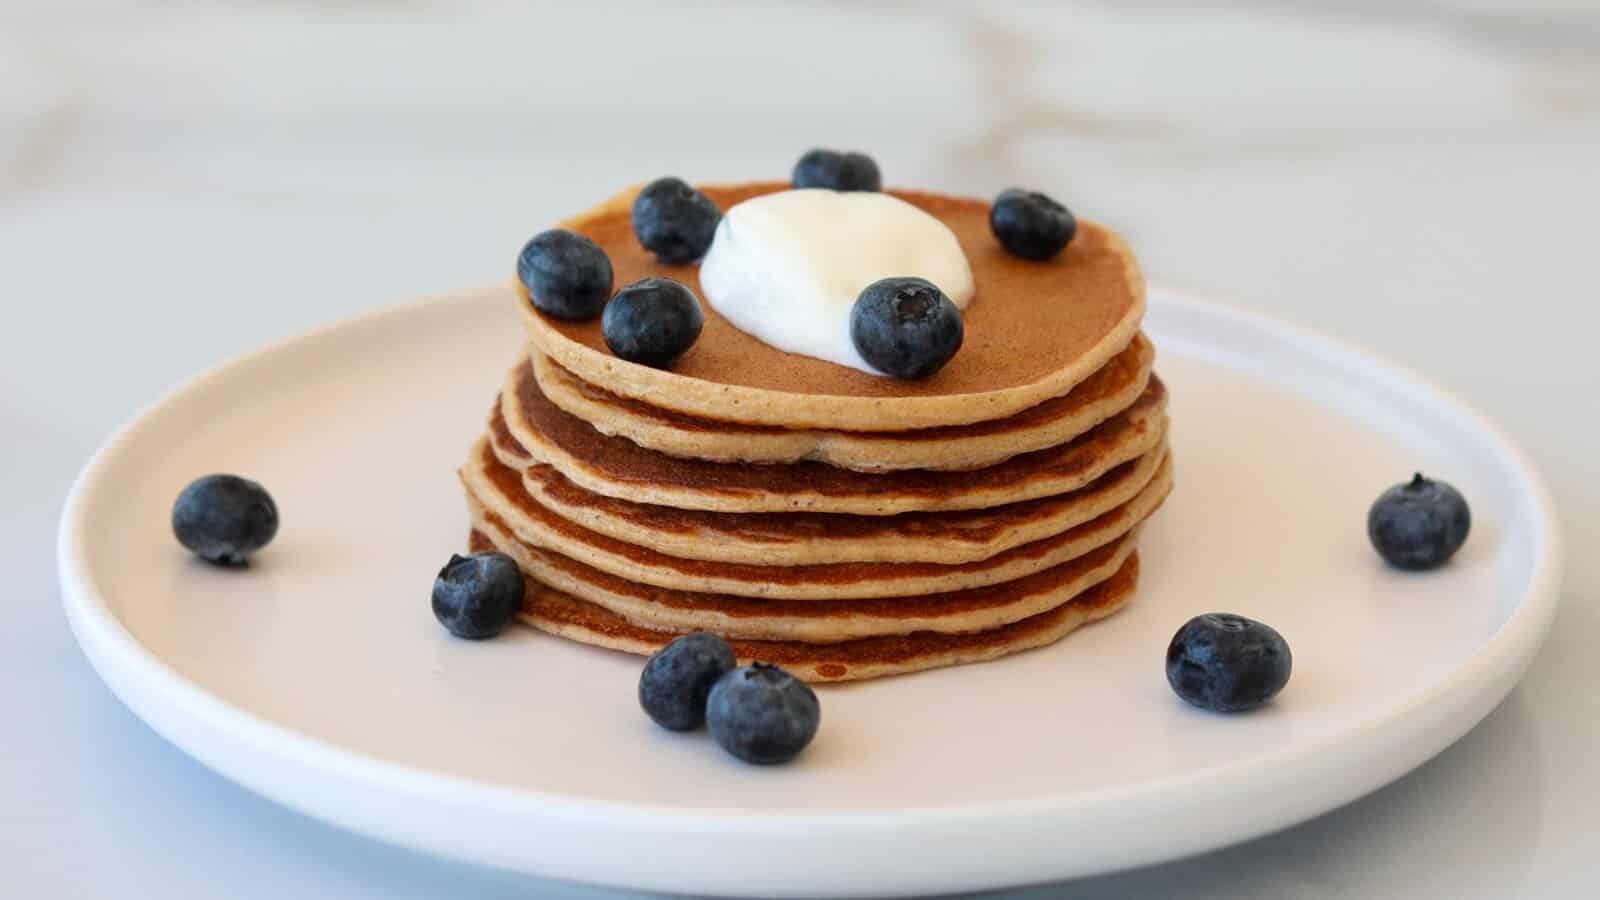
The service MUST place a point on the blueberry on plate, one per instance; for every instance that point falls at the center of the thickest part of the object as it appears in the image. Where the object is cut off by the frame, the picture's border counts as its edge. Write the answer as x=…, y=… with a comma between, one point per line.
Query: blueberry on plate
x=674, y=221
x=836, y=171
x=477, y=596
x=1030, y=224
x=677, y=679
x=762, y=714
x=1227, y=663
x=652, y=322
x=224, y=518
x=1420, y=524
x=567, y=275
x=905, y=327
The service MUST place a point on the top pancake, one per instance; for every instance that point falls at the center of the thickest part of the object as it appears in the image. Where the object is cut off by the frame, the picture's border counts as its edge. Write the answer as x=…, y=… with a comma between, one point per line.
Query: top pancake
x=1033, y=331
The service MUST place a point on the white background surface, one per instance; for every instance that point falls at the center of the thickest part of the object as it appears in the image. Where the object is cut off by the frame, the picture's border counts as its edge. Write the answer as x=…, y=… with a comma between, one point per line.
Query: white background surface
x=180, y=182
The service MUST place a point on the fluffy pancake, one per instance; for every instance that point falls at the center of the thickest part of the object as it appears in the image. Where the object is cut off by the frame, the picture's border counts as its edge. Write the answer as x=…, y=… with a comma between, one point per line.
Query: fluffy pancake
x=500, y=490
x=550, y=610
x=804, y=538
x=1034, y=330
x=812, y=621
x=1111, y=389
x=619, y=468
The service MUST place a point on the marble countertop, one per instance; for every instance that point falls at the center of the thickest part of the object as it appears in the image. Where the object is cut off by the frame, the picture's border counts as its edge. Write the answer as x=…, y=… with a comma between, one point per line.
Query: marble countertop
x=182, y=181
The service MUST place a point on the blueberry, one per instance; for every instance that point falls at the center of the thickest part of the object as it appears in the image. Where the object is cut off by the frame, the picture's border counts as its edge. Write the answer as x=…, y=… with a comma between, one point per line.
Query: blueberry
x=567, y=275
x=224, y=518
x=1227, y=663
x=905, y=327
x=1420, y=524
x=678, y=677
x=477, y=596
x=652, y=322
x=837, y=171
x=674, y=221
x=762, y=714
x=1031, y=225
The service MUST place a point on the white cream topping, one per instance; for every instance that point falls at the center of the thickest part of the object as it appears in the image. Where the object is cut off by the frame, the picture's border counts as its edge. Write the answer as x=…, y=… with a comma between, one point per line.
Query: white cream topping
x=786, y=268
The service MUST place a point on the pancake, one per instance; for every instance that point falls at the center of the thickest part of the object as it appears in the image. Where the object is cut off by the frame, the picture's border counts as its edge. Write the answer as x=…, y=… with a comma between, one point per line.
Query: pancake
x=619, y=468
x=1111, y=389
x=798, y=539
x=500, y=490
x=561, y=614
x=812, y=621
x=1033, y=331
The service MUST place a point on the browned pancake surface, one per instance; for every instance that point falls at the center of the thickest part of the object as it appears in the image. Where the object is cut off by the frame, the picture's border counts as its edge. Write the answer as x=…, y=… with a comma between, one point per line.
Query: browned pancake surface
x=1026, y=321
x=1124, y=369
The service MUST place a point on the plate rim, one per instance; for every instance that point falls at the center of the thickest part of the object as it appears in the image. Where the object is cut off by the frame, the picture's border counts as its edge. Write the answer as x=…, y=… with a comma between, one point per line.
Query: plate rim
x=195, y=721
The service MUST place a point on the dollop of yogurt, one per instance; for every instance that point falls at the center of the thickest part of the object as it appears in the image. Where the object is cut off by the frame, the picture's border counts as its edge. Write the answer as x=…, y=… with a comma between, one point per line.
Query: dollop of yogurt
x=786, y=268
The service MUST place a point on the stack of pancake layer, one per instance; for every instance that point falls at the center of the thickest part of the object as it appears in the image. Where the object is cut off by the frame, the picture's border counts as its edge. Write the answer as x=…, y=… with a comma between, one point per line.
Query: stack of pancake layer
x=836, y=523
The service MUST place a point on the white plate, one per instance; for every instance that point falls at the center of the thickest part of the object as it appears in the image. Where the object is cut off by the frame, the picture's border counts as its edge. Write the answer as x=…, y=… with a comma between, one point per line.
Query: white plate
x=319, y=678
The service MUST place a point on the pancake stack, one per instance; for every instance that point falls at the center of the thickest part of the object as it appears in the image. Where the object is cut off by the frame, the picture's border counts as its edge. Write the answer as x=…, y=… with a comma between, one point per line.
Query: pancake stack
x=836, y=523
